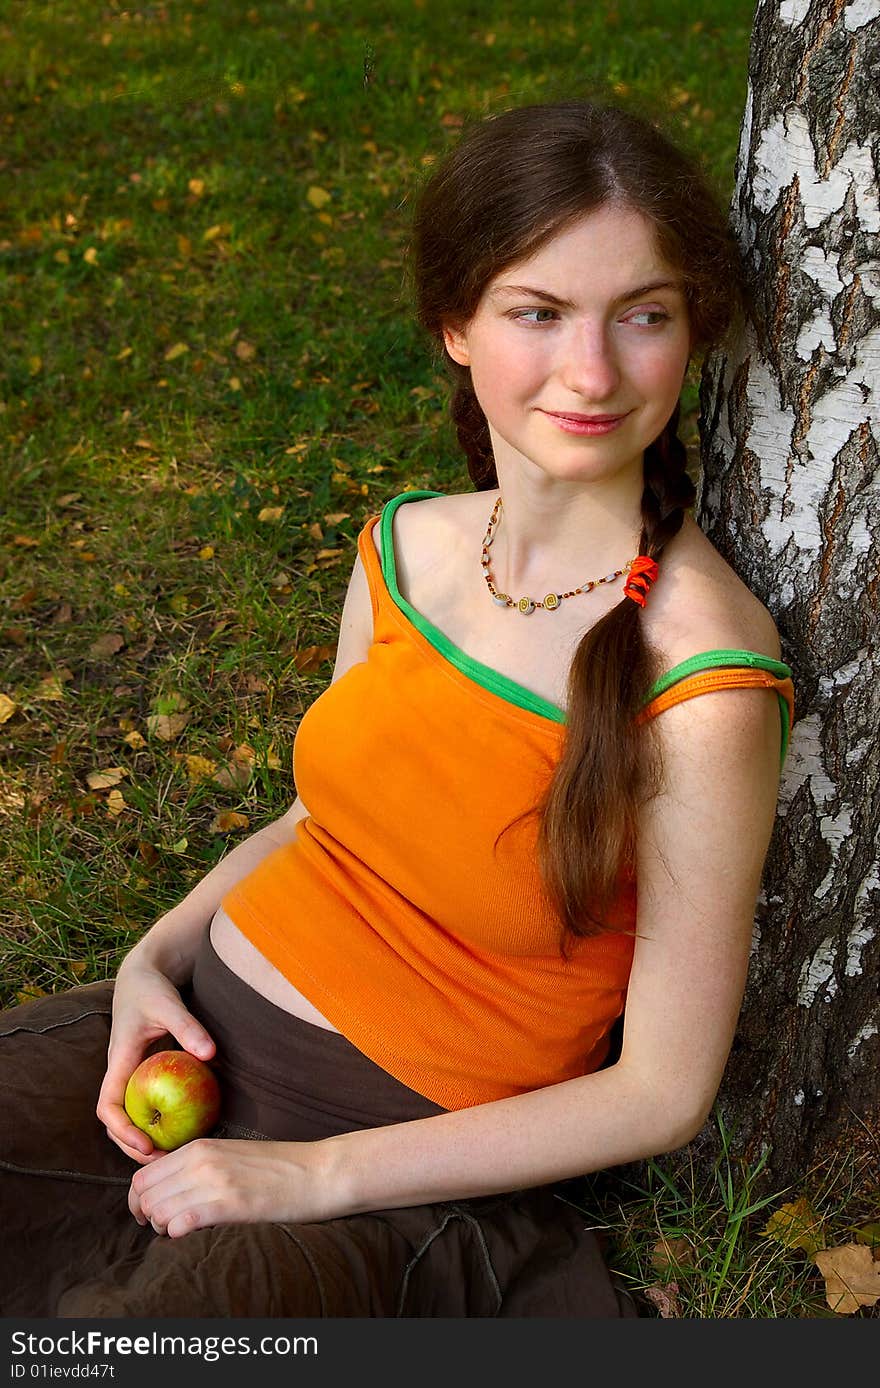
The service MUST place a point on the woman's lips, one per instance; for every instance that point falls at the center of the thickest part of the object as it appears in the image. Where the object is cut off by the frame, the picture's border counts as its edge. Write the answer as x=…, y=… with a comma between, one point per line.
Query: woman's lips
x=600, y=425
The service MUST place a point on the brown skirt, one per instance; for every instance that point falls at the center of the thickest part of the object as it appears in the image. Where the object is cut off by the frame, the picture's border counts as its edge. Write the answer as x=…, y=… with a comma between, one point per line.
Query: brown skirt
x=71, y=1248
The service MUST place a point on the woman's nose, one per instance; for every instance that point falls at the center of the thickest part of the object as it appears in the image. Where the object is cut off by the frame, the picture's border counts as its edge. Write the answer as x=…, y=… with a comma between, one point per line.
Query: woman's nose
x=590, y=365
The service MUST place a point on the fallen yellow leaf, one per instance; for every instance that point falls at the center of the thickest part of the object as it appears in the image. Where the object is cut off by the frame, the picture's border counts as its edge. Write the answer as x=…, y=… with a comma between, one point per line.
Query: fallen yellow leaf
x=237, y=772
x=7, y=708
x=317, y=197
x=206, y=552
x=167, y=726
x=245, y=351
x=668, y=1254
x=796, y=1225
x=271, y=513
x=227, y=821
x=110, y=776
x=106, y=645
x=49, y=689
x=135, y=739
x=116, y=803
x=852, y=1277
x=311, y=658
x=90, y=256
x=176, y=351
x=29, y=993
x=196, y=186
x=199, y=768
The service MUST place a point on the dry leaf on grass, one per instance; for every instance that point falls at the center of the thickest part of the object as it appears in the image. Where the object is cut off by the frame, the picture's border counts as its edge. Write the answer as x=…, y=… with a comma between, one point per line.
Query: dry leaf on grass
x=108, y=644
x=664, y=1295
x=311, y=658
x=109, y=776
x=796, y=1225
x=29, y=993
x=116, y=803
x=852, y=1277
x=199, y=769
x=7, y=708
x=254, y=684
x=227, y=821
x=50, y=688
x=167, y=726
x=237, y=772
x=671, y=1253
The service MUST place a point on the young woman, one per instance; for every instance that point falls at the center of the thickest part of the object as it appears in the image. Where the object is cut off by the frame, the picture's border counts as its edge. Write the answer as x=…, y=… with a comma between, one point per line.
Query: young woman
x=410, y=984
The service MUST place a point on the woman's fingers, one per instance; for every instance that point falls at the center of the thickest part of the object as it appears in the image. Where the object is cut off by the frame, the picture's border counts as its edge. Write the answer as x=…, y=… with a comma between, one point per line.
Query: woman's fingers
x=168, y=1017
x=122, y=1059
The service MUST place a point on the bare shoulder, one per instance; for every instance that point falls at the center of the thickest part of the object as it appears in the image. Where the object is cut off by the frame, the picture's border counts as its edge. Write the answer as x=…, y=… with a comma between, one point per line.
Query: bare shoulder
x=702, y=604
x=425, y=533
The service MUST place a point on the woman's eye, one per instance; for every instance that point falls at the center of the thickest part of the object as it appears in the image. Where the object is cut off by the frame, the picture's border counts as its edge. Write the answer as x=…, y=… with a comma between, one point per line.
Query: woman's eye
x=521, y=314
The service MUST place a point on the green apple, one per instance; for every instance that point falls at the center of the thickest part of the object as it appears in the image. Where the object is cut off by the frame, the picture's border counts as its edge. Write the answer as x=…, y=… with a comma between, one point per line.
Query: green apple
x=173, y=1098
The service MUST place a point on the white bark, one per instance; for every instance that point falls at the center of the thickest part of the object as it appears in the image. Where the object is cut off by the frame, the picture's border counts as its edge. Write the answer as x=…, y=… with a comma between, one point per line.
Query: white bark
x=790, y=494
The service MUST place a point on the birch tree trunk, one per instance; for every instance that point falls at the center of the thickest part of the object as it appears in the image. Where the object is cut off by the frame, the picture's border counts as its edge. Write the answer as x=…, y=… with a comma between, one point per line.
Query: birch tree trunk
x=789, y=495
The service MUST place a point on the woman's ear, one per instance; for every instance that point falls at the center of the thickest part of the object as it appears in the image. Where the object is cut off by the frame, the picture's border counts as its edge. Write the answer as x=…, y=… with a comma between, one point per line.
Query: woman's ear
x=456, y=345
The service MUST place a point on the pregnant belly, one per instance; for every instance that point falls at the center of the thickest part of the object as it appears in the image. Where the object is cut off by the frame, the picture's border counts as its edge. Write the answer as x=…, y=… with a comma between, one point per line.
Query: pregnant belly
x=254, y=969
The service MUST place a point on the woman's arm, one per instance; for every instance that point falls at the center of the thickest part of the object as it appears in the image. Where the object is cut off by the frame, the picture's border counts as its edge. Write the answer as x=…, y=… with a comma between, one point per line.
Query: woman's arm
x=702, y=846
x=147, y=1004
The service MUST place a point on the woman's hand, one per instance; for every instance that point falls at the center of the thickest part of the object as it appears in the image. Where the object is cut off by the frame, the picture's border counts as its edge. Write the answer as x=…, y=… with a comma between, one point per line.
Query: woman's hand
x=146, y=1006
x=222, y=1181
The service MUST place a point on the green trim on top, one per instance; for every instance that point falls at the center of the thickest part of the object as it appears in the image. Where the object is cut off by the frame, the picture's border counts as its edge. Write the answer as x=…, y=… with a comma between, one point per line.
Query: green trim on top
x=475, y=670
x=709, y=659
x=514, y=693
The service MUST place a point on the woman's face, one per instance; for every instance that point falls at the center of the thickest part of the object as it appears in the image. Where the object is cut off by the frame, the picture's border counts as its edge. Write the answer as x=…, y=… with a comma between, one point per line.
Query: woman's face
x=608, y=334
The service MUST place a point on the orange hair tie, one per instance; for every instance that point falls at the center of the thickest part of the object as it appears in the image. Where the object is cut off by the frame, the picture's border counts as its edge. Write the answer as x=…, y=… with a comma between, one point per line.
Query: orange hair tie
x=642, y=572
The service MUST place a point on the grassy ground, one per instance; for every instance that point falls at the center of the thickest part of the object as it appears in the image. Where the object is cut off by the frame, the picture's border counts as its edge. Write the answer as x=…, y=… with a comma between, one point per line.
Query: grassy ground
x=210, y=379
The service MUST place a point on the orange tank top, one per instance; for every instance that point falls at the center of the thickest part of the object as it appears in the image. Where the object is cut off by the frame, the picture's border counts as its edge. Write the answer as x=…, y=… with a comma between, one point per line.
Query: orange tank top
x=434, y=955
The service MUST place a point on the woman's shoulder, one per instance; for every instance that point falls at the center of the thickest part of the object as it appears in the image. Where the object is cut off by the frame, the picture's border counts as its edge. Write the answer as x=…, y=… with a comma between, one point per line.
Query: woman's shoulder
x=704, y=605
x=426, y=528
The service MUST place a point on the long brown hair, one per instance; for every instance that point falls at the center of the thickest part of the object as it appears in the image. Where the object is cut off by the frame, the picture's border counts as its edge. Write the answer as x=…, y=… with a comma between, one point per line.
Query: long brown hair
x=512, y=182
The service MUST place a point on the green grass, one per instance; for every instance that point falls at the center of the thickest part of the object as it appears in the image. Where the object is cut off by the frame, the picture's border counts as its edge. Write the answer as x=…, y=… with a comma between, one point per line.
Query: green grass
x=698, y=1237
x=190, y=340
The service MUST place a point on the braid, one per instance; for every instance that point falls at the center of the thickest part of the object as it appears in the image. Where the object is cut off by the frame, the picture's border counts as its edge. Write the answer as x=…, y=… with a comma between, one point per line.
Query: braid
x=669, y=490
x=589, y=814
x=473, y=435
